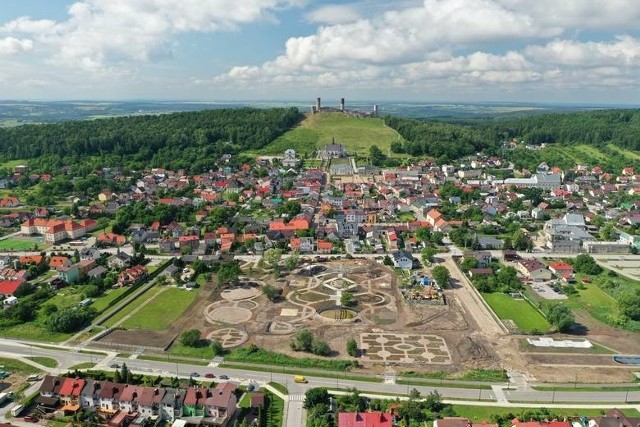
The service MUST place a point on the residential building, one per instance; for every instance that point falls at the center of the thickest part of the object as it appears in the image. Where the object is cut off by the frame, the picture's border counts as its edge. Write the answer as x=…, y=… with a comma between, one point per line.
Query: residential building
x=53, y=230
x=566, y=234
x=365, y=419
x=402, y=259
x=533, y=269
x=459, y=422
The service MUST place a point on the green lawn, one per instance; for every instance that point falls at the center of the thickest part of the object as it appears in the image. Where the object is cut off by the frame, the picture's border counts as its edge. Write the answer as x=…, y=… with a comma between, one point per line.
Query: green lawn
x=200, y=352
x=84, y=365
x=45, y=361
x=33, y=331
x=12, y=365
x=162, y=311
x=104, y=302
x=527, y=318
x=132, y=306
x=599, y=298
x=478, y=414
x=17, y=244
x=357, y=134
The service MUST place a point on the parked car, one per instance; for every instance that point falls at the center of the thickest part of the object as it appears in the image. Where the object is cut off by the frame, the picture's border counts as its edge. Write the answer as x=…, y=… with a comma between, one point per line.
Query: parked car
x=223, y=377
x=114, y=366
x=209, y=375
x=195, y=374
x=30, y=418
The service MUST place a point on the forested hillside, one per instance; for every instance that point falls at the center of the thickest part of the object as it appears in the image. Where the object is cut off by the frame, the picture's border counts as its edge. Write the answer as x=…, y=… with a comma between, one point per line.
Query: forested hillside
x=180, y=140
x=448, y=141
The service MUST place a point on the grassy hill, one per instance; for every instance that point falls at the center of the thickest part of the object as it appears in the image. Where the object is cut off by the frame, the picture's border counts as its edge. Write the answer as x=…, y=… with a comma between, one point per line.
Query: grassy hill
x=317, y=130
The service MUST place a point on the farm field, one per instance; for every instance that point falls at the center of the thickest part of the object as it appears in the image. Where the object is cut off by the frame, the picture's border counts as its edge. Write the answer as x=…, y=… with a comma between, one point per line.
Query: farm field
x=357, y=134
x=523, y=314
x=155, y=314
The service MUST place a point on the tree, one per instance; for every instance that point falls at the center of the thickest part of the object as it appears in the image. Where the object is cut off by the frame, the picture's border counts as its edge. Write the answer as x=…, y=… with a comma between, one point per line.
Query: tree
x=520, y=241
x=428, y=253
x=316, y=396
x=346, y=299
x=376, y=156
x=433, y=401
x=272, y=292
x=441, y=275
x=191, y=338
x=352, y=347
x=608, y=232
x=388, y=261
x=559, y=315
x=272, y=257
x=70, y=319
x=585, y=264
x=629, y=304
x=320, y=348
x=217, y=348
x=292, y=260
x=302, y=341
x=228, y=272
x=290, y=208
x=125, y=374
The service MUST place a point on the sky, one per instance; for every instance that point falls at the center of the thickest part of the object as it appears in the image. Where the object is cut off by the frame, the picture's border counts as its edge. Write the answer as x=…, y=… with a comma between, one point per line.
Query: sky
x=562, y=51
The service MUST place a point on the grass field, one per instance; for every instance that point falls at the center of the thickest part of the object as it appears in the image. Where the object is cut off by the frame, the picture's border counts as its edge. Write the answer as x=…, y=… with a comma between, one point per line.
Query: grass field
x=16, y=244
x=624, y=152
x=200, y=352
x=156, y=316
x=152, y=292
x=32, y=331
x=483, y=413
x=105, y=301
x=527, y=318
x=12, y=365
x=44, y=361
x=357, y=134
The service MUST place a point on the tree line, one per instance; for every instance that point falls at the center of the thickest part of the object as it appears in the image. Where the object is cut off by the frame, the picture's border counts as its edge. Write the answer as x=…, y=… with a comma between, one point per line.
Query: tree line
x=449, y=141
x=178, y=141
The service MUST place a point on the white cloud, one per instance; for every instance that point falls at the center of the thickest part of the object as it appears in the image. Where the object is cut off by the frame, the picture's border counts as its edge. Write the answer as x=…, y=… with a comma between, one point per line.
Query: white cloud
x=101, y=34
x=580, y=14
x=624, y=52
x=12, y=45
x=333, y=14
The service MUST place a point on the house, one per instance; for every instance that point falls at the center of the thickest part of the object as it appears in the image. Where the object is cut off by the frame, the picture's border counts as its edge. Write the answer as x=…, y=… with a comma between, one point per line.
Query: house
x=614, y=418
x=132, y=276
x=109, y=397
x=97, y=273
x=9, y=287
x=119, y=260
x=629, y=239
x=561, y=269
x=51, y=386
x=533, y=269
x=111, y=239
x=365, y=419
x=480, y=272
x=221, y=405
x=458, y=422
x=9, y=202
x=566, y=234
x=402, y=259
x=324, y=247
x=190, y=241
x=302, y=244
x=31, y=259
x=70, y=393
x=510, y=255
x=89, y=394
x=70, y=274
x=10, y=301
x=171, y=403
x=57, y=262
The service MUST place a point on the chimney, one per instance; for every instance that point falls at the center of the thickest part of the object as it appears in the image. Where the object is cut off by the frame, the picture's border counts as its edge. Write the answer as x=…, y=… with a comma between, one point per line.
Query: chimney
x=342, y=104
x=318, y=104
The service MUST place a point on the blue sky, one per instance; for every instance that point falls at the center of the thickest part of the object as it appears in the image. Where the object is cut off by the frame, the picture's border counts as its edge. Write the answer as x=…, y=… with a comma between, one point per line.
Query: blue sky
x=585, y=51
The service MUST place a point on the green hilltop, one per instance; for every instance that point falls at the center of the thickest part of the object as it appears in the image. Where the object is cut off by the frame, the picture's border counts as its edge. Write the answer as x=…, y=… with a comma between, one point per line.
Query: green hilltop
x=316, y=130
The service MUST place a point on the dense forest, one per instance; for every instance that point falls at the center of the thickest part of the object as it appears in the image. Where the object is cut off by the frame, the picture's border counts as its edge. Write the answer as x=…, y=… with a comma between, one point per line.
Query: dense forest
x=447, y=141
x=177, y=141
x=190, y=140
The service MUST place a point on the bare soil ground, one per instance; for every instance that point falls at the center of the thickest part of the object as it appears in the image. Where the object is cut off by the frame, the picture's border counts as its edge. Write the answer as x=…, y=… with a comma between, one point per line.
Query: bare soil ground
x=473, y=337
